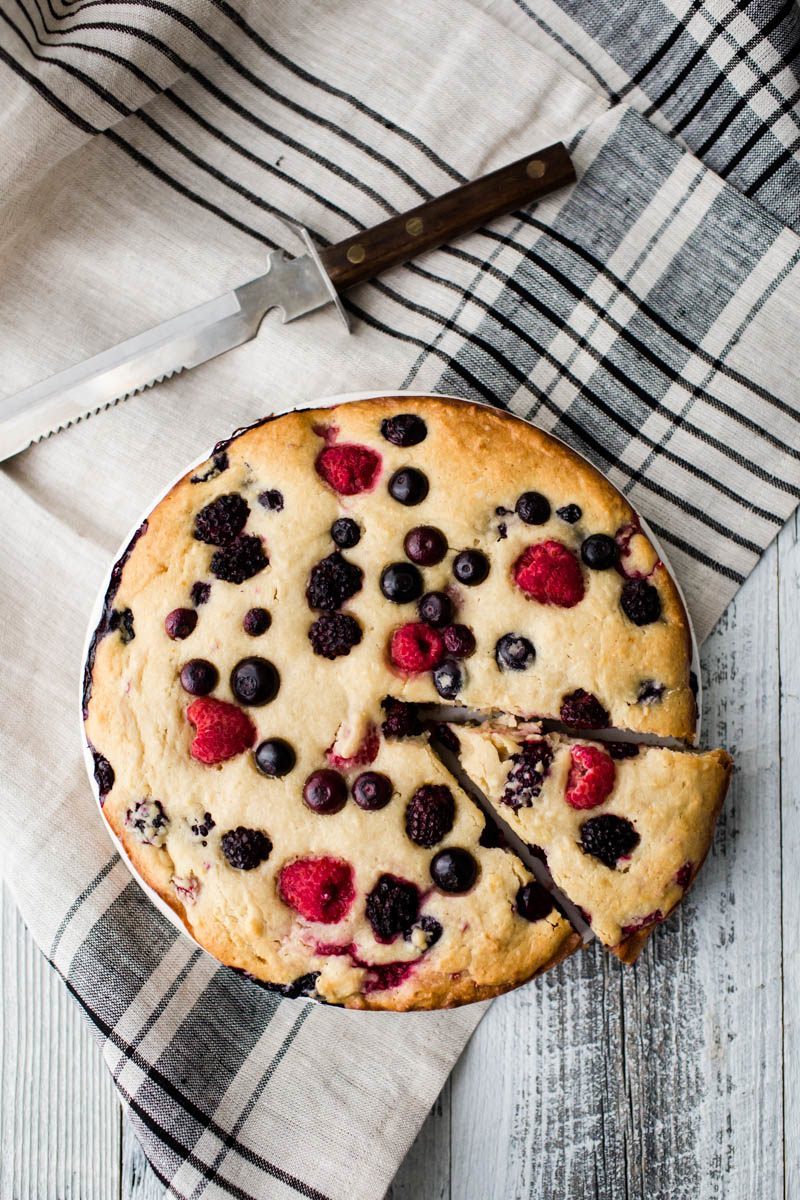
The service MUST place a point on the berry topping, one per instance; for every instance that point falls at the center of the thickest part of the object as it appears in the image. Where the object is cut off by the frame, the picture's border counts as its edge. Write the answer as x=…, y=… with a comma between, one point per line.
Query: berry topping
x=416, y=647
x=408, y=486
x=620, y=750
x=514, y=652
x=345, y=533
x=349, y=469
x=401, y=719
x=430, y=814
x=334, y=635
x=459, y=641
x=219, y=463
x=392, y=907
x=382, y=976
x=582, y=710
x=372, y=790
x=591, y=777
x=187, y=887
x=148, y=822
x=325, y=792
x=332, y=581
x=470, y=567
x=640, y=923
x=401, y=583
x=683, y=876
x=320, y=889
x=599, y=551
x=448, y=679
x=122, y=619
x=534, y=902
x=570, y=513
x=694, y=683
x=424, y=933
x=640, y=602
x=650, y=692
x=255, y=681
x=271, y=499
x=222, y=520
x=531, y=766
x=256, y=621
x=425, y=545
x=608, y=838
x=447, y=737
x=435, y=608
x=550, y=573
x=454, y=870
x=245, y=849
x=365, y=753
x=180, y=623
x=533, y=508
x=201, y=829
x=199, y=677
x=407, y=429
x=223, y=730
x=275, y=758
x=103, y=774
x=200, y=592
x=240, y=560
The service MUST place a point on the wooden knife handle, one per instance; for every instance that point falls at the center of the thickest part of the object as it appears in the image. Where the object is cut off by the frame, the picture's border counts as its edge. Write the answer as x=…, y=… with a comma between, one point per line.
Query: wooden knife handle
x=460, y=211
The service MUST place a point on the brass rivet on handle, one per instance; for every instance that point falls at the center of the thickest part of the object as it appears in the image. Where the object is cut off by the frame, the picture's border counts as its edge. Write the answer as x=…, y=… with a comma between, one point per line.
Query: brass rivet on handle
x=536, y=168
x=414, y=226
x=356, y=253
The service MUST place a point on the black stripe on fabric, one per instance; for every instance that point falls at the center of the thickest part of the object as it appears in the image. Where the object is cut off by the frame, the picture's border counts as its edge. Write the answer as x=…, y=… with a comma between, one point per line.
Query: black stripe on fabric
x=174, y=1094
x=85, y=894
x=612, y=95
x=132, y=67
x=679, y=29
x=763, y=130
x=777, y=163
x=158, y=1009
x=688, y=548
x=45, y=93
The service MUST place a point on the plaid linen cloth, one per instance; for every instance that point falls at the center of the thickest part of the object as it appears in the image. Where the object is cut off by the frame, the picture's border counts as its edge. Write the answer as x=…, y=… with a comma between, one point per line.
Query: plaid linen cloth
x=650, y=316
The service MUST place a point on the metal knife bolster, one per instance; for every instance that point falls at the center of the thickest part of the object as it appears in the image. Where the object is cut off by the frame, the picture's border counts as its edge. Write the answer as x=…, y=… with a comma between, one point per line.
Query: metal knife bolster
x=295, y=286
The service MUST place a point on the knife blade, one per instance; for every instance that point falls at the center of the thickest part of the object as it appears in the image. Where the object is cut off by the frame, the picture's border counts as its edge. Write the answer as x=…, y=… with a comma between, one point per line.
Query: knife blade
x=293, y=285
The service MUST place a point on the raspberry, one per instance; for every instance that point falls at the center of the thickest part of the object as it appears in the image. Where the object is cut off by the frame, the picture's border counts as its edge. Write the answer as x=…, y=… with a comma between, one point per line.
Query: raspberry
x=239, y=560
x=683, y=876
x=103, y=773
x=401, y=719
x=222, y=520
x=416, y=647
x=530, y=769
x=148, y=821
x=365, y=754
x=640, y=602
x=331, y=582
x=333, y=635
x=550, y=573
x=652, y=918
x=392, y=907
x=430, y=814
x=608, y=838
x=582, y=710
x=245, y=849
x=320, y=889
x=223, y=730
x=348, y=468
x=591, y=777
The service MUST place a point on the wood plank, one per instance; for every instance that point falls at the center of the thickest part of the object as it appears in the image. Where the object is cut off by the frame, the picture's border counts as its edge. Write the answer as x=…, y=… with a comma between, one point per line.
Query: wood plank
x=59, y=1116
x=138, y=1178
x=425, y=1174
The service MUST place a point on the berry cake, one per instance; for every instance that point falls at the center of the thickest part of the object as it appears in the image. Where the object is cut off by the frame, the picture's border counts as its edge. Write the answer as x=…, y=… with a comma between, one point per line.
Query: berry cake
x=251, y=692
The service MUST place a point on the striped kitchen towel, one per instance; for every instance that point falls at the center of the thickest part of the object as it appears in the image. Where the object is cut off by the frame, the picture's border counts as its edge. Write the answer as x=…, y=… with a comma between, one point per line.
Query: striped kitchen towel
x=650, y=316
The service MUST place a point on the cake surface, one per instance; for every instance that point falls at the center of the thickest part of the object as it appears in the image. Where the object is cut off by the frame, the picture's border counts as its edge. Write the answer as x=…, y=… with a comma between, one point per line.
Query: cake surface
x=246, y=689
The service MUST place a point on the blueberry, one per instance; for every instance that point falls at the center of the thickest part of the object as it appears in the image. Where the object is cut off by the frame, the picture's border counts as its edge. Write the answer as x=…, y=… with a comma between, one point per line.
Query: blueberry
x=271, y=499
x=448, y=679
x=345, y=533
x=640, y=602
x=401, y=583
x=199, y=677
x=121, y=619
x=180, y=623
x=408, y=486
x=425, y=545
x=534, y=902
x=599, y=551
x=103, y=773
x=454, y=870
x=570, y=513
x=325, y=792
x=514, y=652
x=459, y=641
x=406, y=429
x=256, y=621
x=255, y=681
x=275, y=758
x=470, y=567
x=436, y=609
x=372, y=790
x=533, y=508
x=244, y=848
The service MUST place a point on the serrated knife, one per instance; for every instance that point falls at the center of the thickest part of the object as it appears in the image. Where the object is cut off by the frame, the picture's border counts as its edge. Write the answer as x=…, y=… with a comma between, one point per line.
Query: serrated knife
x=294, y=286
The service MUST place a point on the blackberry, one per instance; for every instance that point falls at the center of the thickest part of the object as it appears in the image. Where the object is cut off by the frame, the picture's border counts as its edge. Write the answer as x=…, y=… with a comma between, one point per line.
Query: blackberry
x=406, y=429
x=430, y=929
x=650, y=692
x=201, y=829
x=582, y=710
x=448, y=738
x=333, y=635
x=401, y=719
x=103, y=773
x=608, y=838
x=392, y=907
x=531, y=768
x=640, y=602
x=244, y=848
x=332, y=581
x=271, y=499
x=148, y=821
x=222, y=520
x=619, y=750
x=570, y=513
x=200, y=593
x=240, y=560
x=121, y=619
x=430, y=814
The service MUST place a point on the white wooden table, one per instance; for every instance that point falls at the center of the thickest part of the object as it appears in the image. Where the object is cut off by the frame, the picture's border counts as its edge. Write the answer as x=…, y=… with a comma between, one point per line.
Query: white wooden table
x=678, y=1079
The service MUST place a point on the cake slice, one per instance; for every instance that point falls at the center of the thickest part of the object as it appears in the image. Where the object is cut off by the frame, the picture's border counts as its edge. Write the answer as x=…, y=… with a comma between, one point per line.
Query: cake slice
x=623, y=828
